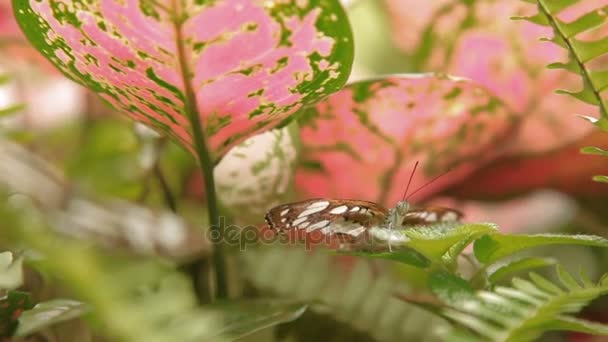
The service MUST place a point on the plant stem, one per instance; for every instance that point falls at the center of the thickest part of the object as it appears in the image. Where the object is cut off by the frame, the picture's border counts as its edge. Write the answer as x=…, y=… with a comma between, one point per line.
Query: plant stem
x=204, y=157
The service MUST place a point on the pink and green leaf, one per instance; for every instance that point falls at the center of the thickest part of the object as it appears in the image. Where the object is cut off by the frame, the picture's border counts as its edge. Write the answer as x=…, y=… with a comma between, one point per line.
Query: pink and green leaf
x=242, y=66
x=363, y=141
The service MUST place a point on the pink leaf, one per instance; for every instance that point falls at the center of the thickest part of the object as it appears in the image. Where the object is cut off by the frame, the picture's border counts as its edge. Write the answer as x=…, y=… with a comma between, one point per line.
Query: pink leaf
x=362, y=142
x=242, y=66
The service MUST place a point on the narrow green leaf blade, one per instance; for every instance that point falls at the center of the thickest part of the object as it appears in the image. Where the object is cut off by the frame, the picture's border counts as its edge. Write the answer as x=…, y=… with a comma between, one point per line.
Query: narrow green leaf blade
x=48, y=313
x=518, y=266
x=594, y=150
x=568, y=323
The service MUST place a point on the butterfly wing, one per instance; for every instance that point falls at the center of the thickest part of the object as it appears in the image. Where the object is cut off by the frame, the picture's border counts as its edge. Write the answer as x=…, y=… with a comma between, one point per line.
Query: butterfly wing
x=328, y=216
x=429, y=215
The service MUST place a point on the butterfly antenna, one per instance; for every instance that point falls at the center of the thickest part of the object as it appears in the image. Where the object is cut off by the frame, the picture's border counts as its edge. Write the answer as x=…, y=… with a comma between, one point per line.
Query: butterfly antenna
x=429, y=182
x=410, y=181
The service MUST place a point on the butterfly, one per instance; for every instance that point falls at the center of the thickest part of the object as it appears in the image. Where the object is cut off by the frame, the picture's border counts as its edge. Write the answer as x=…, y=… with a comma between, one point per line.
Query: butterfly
x=350, y=218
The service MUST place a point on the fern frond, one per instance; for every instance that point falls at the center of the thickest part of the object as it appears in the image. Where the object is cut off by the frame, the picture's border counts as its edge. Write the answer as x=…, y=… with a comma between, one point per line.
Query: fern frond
x=353, y=294
x=582, y=53
x=529, y=308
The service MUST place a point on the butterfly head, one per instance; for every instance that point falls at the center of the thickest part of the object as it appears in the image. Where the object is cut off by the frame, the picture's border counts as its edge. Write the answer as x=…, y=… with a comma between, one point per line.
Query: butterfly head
x=398, y=213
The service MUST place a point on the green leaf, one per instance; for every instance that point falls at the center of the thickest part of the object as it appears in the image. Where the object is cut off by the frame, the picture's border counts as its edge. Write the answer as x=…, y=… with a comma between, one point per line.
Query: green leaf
x=526, y=310
x=594, y=150
x=354, y=294
x=450, y=288
x=11, y=307
x=568, y=323
x=603, y=179
x=49, y=313
x=6, y=111
x=244, y=317
x=11, y=271
x=518, y=266
x=492, y=247
x=401, y=254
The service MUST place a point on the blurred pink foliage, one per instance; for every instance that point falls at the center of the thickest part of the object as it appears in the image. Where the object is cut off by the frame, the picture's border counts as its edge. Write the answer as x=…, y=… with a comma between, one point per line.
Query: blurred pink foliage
x=363, y=141
x=504, y=55
x=508, y=58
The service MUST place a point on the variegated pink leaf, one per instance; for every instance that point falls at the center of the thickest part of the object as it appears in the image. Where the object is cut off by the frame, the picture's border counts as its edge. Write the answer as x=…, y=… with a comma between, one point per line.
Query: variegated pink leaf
x=242, y=66
x=362, y=142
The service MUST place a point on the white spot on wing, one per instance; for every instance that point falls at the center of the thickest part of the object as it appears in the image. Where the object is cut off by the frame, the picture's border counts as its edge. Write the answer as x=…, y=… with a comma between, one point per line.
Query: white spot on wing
x=355, y=209
x=299, y=220
x=314, y=208
x=284, y=212
x=449, y=216
x=304, y=225
x=339, y=210
x=317, y=225
x=431, y=217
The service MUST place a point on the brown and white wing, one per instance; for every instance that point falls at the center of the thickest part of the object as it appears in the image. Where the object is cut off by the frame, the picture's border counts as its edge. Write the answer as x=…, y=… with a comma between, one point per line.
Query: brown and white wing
x=328, y=216
x=429, y=215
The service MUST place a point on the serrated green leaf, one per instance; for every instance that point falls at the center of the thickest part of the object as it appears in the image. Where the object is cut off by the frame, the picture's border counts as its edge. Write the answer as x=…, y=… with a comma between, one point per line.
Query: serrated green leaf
x=556, y=6
x=421, y=246
x=525, y=311
x=594, y=150
x=570, y=66
x=48, y=313
x=585, y=22
x=538, y=19
x=492, y=247
x=450, y=288
x=518, y=266
x=244, y=317
x=599, y=79
x=586, y=95
x=11, y=271
x=589, y=50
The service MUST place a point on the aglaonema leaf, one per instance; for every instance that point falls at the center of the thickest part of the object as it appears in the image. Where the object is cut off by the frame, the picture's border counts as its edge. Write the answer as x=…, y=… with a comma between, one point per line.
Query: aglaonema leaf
x=363, y=141
x=241, y=66
x=48, y=313
x=495, y=246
